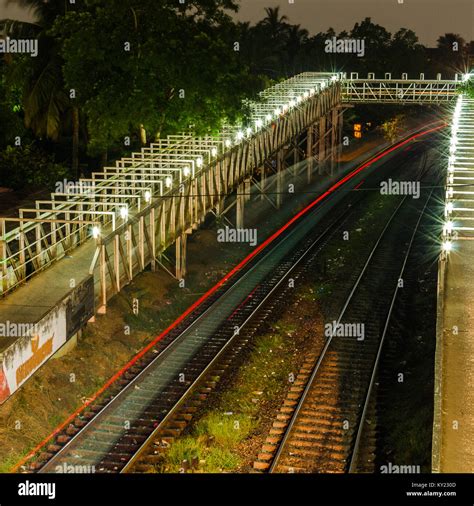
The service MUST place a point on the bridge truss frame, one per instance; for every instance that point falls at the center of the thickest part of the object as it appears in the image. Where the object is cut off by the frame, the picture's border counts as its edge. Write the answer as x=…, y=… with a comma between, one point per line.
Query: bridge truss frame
x=136, y=210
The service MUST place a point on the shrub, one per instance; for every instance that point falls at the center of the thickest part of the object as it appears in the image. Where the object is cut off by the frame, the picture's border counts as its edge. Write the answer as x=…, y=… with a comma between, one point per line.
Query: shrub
x=392, y=128
x=28, y=165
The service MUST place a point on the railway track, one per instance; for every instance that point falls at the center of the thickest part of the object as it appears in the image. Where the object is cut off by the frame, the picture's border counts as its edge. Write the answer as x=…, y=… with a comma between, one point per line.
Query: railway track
x=159, y=394
x=153, y=401
x=150, y=454
x=320, y=425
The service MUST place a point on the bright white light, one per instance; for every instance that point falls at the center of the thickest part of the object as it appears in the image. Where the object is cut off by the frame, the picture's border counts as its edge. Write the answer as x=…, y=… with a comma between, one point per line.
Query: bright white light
x=95, y=232
x=450, y=193
x=452, y=159
x=306, y=94
x=448, y=227
x=291, y=103
x=312, y=91
x=258, y=124
x=249, y=132
x=449, y=207
x=450, y=168
x=447, y=246
x=214, y=151
x=451, y=179
x=268, y=117
x=466, y=77
x=240, y=135
x=277, y=112
x=124, y=212
x=199, y=161
x=298, y=100
x=186, y=171
x=168, y=182
x=323, y=85
x=228, y=143
x=147, y=196
x=333, y=78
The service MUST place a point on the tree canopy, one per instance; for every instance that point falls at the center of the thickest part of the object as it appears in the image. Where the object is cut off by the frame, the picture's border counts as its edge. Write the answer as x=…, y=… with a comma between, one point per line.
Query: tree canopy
x=142, y=63
x=113, y=75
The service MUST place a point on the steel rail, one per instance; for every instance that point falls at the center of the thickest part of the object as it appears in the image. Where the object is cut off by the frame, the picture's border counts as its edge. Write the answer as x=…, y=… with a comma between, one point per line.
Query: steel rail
x=301, y=403
x=129, y=387
x=355, y=451
x=116, y=399
x=328, y=231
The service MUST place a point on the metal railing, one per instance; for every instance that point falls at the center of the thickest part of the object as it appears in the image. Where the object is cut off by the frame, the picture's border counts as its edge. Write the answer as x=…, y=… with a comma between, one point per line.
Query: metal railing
x=400, y=91
x=96, y=206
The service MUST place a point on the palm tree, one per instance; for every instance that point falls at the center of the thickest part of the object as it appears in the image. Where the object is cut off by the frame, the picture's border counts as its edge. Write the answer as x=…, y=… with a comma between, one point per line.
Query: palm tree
x=271, y=36
x=274, y=22
x=47, y=107
x=296, y=39
x=453, y=52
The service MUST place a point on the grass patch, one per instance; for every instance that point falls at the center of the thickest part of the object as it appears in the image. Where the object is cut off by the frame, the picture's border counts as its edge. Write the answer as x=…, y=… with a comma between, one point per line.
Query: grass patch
x=215, y=442
x=196, y=453
x=7, y=463
x=225, y=429
x=184, y=450
x=219, y=460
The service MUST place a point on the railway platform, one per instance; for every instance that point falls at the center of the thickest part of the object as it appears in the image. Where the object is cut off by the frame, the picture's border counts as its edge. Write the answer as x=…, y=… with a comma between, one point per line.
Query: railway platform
x=453, y=435
x=453, y=430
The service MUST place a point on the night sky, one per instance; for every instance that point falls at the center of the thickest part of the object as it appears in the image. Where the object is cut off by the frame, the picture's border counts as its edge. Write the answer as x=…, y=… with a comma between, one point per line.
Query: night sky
x=428, y=18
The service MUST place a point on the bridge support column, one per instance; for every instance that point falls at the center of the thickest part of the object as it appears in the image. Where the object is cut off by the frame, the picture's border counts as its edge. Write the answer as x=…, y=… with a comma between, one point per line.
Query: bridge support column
x=309, y=153
x=340, y=125
x=130, y=251
x=181, y=242
x=152, y=234
x=322, y=144
x=296, y=155
x=248, y=189
x=263, y=181
x=240, y=205
x=219, y=202
x=103, y=280
x=334, y=137
x=279, y=177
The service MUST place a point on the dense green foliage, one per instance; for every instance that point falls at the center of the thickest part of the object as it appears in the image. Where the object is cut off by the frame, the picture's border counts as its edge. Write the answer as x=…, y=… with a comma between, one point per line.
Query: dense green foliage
x=277, y=48
x=143, y=63
x=111, y=76
x=29, y=166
